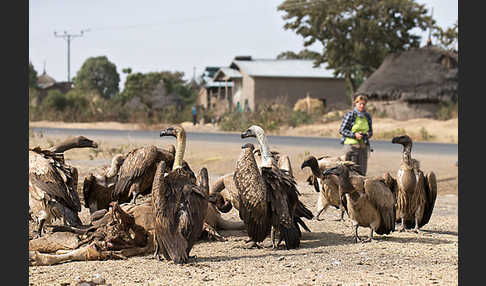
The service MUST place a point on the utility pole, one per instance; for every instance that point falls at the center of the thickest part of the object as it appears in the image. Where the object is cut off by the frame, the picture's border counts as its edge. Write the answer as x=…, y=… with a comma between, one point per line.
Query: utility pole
x=68, y=38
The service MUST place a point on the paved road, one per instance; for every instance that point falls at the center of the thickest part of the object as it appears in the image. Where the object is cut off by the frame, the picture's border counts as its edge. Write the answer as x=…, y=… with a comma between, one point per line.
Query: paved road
x=418, y=147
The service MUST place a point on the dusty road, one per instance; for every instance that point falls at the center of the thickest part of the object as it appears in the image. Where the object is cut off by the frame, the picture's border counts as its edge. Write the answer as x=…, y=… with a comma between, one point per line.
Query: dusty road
x=327, y=256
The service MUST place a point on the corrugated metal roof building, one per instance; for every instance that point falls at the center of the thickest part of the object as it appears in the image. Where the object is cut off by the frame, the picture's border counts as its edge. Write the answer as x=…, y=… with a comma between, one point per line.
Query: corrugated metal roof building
x=284, y=81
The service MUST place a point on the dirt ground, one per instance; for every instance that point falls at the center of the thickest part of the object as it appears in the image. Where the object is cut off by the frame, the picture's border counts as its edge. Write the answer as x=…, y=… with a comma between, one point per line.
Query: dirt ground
x=327, y=256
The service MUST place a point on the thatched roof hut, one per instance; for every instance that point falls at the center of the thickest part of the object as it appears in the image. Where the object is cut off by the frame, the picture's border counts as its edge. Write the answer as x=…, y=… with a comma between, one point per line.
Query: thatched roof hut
x=414, y=82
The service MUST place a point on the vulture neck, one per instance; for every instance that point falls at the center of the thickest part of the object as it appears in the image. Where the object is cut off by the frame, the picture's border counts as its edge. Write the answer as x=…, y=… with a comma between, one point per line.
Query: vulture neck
x=266, y=155
x=115, y=166
x=407, y=154
x=180, y=148
x=346, y=186
x=66, y=145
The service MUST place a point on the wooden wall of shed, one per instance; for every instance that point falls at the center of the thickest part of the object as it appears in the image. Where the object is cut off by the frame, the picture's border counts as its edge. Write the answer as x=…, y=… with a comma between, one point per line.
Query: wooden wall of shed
x=288, y=90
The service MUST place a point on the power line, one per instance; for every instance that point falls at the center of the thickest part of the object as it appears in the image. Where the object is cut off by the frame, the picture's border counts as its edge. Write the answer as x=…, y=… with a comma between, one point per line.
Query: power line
x=68, y=38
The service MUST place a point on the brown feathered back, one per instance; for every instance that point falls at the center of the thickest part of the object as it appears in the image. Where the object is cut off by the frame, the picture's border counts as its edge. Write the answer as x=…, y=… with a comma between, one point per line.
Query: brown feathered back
x=252, y=195
x=384, y=201
x=139, y=167
x=180, y=207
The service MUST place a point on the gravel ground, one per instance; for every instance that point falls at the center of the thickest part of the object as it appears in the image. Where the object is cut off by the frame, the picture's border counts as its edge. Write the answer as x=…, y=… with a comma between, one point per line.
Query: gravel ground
x=327, y=256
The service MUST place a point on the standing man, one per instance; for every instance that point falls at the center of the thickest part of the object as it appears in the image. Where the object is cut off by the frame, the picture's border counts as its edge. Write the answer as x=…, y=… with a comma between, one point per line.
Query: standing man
x=356, y=129
x=194, y=115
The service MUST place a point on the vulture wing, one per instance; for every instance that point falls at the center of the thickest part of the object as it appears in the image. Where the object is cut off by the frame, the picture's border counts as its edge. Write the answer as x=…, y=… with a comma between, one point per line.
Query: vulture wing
x=136, y=165
x=50, y=179
x=383, y=200
x=430, y=185
x=283, y=201
x=252, y=197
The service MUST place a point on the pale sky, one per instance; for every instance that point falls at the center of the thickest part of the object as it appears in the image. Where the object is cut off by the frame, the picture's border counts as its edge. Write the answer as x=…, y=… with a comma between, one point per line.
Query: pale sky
x=151, y=36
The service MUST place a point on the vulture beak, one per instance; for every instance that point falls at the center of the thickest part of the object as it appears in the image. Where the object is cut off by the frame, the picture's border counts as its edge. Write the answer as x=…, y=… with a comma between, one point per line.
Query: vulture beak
x=304, y=164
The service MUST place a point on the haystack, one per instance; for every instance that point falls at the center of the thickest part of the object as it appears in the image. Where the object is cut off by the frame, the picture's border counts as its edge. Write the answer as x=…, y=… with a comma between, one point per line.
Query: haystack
x=310, y=105
x=413, y=83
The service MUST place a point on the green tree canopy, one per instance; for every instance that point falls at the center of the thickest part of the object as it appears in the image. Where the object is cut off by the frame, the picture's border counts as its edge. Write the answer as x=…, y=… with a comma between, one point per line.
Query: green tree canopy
x=99, y=74
x=304, y=54
x=355, y=35
x=32, y=76
x=143, y=85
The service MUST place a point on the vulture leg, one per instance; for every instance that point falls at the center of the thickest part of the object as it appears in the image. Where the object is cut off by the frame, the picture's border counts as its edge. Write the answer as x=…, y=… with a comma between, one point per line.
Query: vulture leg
x=134, y=191
x=356, y=236
x=319, y=211
x=416, y=229
x=275, y=237
x=369, y=238
x=402, y=226
x=41, y=226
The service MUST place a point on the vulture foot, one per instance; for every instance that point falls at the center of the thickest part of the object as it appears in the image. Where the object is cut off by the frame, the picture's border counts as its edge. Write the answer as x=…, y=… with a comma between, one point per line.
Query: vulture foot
x=252, y=245
x=366, y=240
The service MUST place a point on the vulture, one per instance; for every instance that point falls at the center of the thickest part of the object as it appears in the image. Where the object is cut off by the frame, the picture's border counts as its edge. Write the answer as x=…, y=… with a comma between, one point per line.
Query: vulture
x=137, y=172
x=98, y=188
x=225, y=184
x=180, y=204
x=416, y=192
x=373, y=207
x=53, y=184
x=269, y=183
x=328, y=190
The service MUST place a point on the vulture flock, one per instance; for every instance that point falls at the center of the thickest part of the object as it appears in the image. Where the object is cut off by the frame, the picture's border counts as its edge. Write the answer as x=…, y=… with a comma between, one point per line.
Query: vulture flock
x=178, y=207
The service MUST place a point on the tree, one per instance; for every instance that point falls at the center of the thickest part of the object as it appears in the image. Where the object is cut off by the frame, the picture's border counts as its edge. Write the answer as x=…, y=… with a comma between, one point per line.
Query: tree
x=99, y=74
x=304, y=54
x=32, y=76
x=145, y=86
x=447, y=38
x=355, y=35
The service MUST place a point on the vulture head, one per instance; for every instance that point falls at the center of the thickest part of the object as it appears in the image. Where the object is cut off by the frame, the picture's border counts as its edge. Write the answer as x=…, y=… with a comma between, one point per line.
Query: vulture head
x=253, y=131
x=248, y=145
x=259, y=134
x=171, y=131
x=85, y=142
x=311, y=162
x=404, y=140
x=342, y=174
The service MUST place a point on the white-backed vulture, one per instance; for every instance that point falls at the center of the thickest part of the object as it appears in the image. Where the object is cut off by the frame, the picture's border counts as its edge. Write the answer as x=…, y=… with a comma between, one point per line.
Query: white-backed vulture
x=53, y=184
x=327, y=188
x=374, y=207
x=416, y=192
x=136, y=174
x=98, y=188
x=253, y=196
x=286, y=209
x=180, y=204
x=225, y=184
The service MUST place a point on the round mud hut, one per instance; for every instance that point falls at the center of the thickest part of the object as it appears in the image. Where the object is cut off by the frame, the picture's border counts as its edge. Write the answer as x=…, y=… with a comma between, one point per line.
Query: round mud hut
x=413, y=83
